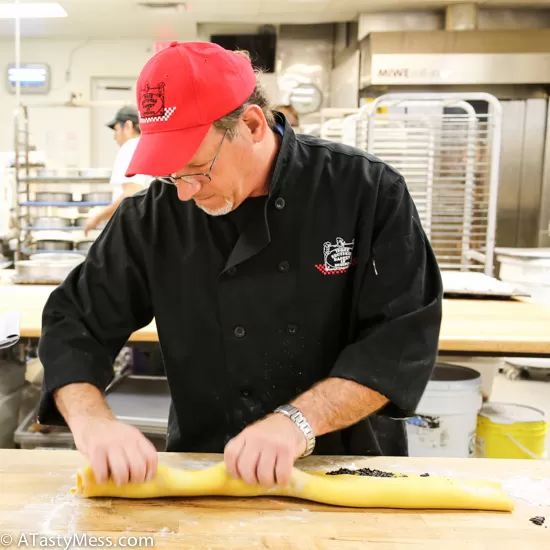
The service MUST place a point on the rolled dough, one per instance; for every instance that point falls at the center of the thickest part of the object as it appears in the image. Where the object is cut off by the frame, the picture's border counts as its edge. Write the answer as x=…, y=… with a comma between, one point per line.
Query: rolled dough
x=339, y=490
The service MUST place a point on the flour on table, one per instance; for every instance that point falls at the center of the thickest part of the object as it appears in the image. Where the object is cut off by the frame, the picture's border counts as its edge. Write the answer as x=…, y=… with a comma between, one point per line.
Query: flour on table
x=535, y=492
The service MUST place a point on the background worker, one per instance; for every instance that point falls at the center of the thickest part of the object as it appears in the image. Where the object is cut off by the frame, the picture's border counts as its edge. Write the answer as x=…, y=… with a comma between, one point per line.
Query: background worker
x=126, y=133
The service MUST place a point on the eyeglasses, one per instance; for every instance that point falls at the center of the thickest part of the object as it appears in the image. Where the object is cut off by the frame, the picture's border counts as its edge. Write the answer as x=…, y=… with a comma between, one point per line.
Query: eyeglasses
x=200, y=178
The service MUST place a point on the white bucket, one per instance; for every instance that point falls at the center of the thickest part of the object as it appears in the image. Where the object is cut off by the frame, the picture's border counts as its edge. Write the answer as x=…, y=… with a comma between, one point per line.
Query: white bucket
x=446, y=417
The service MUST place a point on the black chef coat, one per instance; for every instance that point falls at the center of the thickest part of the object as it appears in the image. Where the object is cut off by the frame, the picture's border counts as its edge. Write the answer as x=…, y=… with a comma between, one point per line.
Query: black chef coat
x=332, y=276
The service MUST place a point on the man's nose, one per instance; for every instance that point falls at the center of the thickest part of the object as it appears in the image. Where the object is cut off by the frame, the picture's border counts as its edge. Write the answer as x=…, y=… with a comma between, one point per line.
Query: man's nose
x=187, y=190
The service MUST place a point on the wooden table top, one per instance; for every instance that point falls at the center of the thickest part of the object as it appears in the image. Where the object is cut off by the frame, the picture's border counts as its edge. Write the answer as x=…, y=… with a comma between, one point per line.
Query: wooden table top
x=478, y=326
x=35, y=498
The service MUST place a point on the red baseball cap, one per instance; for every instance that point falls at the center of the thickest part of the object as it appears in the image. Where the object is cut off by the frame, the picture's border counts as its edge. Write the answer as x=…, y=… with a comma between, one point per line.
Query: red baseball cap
x=181, y=91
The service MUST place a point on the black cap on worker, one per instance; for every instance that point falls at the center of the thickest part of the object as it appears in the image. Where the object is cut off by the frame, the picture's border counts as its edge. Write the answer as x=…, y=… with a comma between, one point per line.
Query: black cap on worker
x=123, y=114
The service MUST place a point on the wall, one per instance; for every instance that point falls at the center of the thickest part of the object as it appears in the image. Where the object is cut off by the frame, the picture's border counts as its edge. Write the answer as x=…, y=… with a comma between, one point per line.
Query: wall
x=63, y=133
x=344, y=82
x=304, y=52
x=399, y=21
x=508, y=19
x=205, y=30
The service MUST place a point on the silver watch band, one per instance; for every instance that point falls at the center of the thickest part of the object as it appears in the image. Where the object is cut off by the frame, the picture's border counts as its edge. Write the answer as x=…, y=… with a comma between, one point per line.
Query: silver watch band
x=300, y=420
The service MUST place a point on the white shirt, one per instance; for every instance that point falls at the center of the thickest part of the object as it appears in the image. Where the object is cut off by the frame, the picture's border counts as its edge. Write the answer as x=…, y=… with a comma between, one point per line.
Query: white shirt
x=122, y=161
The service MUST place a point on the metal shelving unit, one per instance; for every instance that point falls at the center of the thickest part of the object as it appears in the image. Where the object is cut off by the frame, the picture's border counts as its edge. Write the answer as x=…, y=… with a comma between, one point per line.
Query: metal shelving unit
x=27, y=179
x=35, y=228
x=75, y=204
x=449, y=155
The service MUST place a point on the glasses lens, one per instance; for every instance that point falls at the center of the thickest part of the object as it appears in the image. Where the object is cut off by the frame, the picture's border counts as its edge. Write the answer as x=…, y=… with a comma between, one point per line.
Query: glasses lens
x=196, y=179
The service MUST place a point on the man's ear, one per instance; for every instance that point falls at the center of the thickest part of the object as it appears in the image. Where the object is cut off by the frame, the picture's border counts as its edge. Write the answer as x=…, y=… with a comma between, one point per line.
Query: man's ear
x=254, y=119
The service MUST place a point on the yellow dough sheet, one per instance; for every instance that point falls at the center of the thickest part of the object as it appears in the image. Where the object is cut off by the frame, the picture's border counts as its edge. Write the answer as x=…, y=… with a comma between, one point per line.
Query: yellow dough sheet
x=412, y=491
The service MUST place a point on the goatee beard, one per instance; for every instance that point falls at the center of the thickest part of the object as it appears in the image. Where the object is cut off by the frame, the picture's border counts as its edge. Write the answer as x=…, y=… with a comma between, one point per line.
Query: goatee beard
x=222, y=211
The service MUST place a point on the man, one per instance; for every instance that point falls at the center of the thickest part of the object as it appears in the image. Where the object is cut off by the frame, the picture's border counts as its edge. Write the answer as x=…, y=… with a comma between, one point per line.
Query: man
x=291, y=114
x=281, y=271
x=126, y=134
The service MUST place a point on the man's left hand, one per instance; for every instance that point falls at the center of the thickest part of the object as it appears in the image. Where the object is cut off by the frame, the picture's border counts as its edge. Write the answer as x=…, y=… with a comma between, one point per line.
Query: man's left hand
x=265, y=452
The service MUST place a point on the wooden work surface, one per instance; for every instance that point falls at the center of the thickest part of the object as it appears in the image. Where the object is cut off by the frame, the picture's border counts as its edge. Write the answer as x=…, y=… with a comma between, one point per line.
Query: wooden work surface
x=35, y=498
x=476, y=326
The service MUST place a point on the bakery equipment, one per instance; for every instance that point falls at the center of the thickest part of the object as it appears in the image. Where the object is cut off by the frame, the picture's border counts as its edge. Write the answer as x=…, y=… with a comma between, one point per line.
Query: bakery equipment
x=33, y=270
x=56, y=257
x=51, y=196
x=97, y=196
x=448, y=154
x=51, y=222
x=84, y=245
x=54, y=245
x=142, y=401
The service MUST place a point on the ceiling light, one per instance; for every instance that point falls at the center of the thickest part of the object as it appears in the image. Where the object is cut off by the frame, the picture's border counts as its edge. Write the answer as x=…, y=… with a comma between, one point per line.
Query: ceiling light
x=33, y=10
x=160, y=6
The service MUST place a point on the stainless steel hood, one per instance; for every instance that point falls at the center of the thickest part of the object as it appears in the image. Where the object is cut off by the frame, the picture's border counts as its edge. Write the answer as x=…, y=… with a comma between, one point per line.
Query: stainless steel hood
x=450, y=57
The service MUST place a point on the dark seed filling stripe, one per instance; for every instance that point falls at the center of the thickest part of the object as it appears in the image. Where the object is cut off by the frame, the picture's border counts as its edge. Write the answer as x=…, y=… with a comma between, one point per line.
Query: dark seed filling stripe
x=363, y=472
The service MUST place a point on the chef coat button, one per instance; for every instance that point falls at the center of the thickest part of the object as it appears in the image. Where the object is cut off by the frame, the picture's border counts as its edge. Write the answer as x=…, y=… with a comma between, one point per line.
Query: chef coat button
x=292, y=329
x=284, y=266
x=280, y=203
x=246, y=392
x=239, y=332
x=232, y=270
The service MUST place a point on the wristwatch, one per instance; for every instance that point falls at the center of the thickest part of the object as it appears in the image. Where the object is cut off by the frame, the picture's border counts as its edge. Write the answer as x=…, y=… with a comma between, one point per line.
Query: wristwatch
x=300, y=420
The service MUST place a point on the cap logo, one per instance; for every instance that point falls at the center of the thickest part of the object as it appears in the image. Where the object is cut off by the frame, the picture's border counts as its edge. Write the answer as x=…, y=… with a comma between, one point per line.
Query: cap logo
x=151, y=103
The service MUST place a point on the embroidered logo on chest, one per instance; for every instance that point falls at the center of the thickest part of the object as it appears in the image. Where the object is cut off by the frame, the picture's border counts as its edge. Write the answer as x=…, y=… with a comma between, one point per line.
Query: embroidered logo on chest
x=151, y=104
x=337, y=257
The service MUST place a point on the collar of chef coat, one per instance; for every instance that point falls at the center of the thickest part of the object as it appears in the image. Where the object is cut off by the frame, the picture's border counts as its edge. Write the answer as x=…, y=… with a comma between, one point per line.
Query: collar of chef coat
x=257, y=235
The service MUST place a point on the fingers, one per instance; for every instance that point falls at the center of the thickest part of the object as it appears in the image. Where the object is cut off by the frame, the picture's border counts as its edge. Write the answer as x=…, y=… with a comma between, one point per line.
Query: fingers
x=247, y=463
x=283, y=467
x=265, y=468
x=255, y=464
x=264, y=453
x=118, y=465
x=100, y=466
x=119, y=451
x=136, y=462
x=264, y=465
x=231, y=455
x=151, y=458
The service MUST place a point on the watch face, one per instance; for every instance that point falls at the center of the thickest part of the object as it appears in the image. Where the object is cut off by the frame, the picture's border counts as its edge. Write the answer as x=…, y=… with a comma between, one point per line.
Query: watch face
x=306, y=98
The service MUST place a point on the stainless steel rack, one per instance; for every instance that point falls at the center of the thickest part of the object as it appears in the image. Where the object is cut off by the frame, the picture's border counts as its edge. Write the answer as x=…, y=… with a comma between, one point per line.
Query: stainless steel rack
x=28, y=178
x=449, y=153
x=63, y=179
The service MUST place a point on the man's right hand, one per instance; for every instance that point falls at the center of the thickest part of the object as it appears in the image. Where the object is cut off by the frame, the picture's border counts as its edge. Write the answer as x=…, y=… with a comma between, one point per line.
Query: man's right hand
x=115, y=449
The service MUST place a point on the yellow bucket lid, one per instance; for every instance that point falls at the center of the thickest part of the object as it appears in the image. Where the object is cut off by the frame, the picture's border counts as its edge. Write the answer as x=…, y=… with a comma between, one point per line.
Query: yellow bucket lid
x=510, y=413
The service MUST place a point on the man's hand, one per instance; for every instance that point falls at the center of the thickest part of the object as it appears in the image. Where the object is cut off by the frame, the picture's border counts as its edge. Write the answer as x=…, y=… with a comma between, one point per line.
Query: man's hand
x=265, y=452
x=115, y=448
